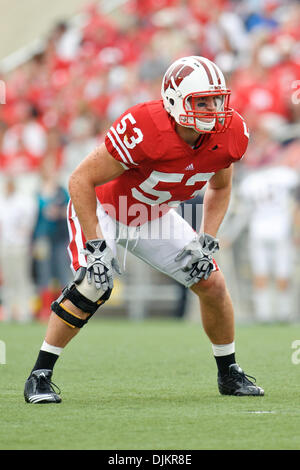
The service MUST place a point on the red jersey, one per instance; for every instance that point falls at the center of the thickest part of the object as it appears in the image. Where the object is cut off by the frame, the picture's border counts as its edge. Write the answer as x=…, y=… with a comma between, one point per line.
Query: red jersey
x=162, y=170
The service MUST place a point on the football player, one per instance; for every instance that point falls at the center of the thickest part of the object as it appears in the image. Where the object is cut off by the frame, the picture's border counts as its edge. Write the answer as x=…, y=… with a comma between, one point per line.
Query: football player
x=155, y=155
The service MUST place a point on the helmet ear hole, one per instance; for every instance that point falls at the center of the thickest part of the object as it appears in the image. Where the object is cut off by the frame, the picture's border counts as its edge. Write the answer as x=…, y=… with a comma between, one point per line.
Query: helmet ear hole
x=171, y=101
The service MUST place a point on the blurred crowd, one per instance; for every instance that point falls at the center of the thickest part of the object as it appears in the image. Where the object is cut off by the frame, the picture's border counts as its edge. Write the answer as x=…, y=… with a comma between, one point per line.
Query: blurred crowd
x=60, y=103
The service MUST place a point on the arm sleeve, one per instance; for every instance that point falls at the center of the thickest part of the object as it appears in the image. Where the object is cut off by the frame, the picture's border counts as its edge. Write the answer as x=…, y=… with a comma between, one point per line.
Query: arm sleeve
x=128, y=138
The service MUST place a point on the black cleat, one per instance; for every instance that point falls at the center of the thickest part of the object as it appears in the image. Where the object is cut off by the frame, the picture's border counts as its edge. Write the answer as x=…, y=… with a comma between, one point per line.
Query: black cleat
x=39, y=388
x=237, y=383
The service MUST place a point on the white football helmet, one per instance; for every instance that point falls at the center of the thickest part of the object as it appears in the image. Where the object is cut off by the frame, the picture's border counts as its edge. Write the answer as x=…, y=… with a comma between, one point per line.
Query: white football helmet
x=189, y=79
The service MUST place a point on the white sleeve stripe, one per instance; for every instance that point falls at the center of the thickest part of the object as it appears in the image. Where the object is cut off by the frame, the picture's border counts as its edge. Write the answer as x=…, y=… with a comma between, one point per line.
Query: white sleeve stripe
x=123, y=146
x=124, y=166
x=116, y=147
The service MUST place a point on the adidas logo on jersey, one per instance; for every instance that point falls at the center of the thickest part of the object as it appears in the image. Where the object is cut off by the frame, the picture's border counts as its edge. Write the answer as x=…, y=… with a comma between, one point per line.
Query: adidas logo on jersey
x=190, y=167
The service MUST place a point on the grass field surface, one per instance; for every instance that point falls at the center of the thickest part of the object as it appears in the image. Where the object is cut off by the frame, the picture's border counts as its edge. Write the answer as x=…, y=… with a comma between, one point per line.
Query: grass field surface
x=151, y=385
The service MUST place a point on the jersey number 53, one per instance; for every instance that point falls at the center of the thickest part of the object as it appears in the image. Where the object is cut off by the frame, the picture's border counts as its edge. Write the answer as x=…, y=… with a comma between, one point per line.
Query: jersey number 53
x=121, y=128
x=147, y=187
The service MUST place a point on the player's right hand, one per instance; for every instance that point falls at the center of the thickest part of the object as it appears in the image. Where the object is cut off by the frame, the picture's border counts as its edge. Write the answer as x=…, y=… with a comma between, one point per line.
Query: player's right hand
x=100, y=264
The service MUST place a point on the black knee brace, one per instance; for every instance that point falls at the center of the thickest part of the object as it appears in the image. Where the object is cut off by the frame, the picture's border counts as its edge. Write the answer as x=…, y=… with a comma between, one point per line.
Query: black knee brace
x=80, y=301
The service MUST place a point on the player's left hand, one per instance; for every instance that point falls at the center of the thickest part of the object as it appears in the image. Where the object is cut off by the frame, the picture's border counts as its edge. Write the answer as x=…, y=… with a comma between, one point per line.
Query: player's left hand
x=200, y=263
x=208, y=243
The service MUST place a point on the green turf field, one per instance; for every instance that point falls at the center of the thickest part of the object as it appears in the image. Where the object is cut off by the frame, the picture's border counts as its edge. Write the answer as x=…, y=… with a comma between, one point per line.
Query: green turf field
x=151, y=385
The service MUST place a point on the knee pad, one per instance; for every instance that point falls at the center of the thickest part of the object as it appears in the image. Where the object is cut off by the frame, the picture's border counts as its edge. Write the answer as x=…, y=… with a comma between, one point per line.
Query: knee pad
x=84, y=296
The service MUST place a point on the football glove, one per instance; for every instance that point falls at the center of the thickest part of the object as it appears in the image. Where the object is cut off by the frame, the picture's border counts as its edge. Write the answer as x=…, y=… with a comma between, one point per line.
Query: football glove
x=200, y=263
x=100, y=264
x=209, y=243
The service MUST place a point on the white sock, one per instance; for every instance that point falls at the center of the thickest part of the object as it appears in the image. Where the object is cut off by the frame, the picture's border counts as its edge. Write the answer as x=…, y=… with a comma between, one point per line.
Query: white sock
x=223, y=349
x=51, y=349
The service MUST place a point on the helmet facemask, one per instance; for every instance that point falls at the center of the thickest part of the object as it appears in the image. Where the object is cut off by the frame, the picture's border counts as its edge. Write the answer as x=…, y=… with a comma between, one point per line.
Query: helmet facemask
x=206, y=121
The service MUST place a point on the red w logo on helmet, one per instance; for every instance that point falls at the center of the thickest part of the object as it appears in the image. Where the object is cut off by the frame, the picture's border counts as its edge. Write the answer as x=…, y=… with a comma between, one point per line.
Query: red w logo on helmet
x=178, y=73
